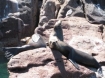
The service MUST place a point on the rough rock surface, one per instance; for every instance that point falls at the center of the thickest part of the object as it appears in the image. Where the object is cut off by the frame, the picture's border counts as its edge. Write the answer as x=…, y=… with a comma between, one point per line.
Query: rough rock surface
x=44, y=63
x=71, y=8
x=47, y=11
x=18, y=21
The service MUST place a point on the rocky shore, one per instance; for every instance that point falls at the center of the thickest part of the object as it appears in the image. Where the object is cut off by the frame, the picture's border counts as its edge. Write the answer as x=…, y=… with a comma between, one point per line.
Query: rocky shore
x=81, y=30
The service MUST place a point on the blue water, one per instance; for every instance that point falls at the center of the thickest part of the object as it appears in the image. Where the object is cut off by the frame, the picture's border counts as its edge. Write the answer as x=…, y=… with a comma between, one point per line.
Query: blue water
x=3, y=67
x=3, y=71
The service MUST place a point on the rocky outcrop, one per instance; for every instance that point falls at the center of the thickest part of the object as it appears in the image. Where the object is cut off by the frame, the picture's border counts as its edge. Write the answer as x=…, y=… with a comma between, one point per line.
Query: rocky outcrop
x=92, y=10
x=78, y=33
x=47, y=11
x=18, y=21
x=44, y=63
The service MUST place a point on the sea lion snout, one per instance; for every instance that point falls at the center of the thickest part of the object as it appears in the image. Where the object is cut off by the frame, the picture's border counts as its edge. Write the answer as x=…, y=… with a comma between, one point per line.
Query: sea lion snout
x=52, y=44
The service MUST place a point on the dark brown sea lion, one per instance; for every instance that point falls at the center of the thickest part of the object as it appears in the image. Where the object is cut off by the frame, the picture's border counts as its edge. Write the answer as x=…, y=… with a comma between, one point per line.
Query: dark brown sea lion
x=76, y=56
x=56, y=33
x=73, y=55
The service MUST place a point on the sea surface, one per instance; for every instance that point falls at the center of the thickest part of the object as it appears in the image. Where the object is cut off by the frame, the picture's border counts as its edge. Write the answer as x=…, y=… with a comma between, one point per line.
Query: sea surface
x=3, y=67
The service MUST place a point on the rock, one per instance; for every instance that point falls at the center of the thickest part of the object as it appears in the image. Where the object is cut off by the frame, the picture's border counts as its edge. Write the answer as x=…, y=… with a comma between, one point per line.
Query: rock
x=94, y=11
x=103, y=35
x=71, y=8
x=49, y=10
x=17, y=20
x=36, y=63
x=78, y=33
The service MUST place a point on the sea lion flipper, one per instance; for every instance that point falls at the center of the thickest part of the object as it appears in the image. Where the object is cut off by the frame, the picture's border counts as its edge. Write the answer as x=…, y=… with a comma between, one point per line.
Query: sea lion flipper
x=74, y=63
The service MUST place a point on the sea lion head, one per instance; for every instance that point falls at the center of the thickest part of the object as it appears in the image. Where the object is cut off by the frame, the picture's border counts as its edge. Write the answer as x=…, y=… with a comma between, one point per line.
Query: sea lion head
x=52, y=42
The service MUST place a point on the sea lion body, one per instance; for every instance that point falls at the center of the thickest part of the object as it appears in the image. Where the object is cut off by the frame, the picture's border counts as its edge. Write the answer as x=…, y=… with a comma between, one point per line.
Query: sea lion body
x=75, y=55
x=56, y=34
x=36, y=41
x=84, y=59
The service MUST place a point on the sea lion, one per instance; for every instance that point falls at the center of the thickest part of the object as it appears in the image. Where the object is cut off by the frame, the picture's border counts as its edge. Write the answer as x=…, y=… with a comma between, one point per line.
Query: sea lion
x=76, y=56
x=73, y=55
x=36, y=41
x=56, y=33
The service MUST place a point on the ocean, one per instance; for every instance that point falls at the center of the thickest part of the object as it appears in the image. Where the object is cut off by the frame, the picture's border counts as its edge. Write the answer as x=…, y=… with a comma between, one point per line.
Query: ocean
x=3, y=67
